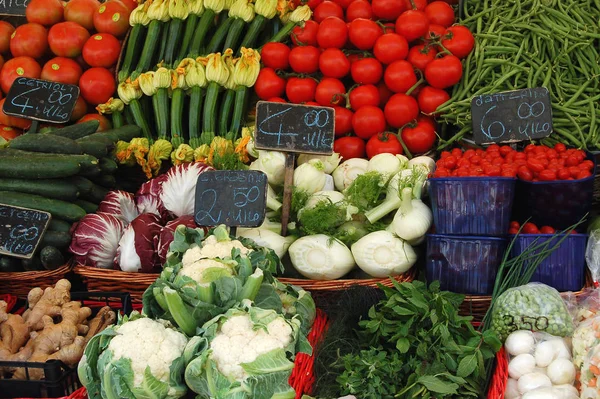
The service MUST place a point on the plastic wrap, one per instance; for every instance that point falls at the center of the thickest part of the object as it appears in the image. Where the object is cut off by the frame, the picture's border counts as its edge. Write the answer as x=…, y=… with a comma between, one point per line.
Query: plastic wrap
x=592, y=255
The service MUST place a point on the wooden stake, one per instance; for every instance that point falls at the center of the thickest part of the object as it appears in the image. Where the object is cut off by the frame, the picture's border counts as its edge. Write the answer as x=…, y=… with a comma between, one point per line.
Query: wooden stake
x=288, y=185
x=34, y=127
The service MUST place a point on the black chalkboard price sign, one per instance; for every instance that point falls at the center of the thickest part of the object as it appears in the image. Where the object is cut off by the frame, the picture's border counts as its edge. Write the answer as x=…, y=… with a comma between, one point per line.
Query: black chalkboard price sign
x=21, y=230
x=231, y=197
x=41, y=100
x=294, y=128
x=13, y=7
x=511, y=116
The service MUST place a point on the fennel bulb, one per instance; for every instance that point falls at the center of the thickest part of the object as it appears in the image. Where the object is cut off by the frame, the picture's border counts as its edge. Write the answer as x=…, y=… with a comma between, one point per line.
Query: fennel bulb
x=413, y=218
x=320, y=257
x=330, y=162
x=268, y=239
x=387, y=164
x=423, y=160
x=310, y=177
x=348, y=171
x=272, y=201
x=273, y=164
x=382, y=254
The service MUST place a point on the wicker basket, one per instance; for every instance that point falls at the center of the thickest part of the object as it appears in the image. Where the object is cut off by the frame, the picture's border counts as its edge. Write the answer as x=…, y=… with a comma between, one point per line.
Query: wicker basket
x=340, y=285
x=97, y=279
x=500, y=377
x=20, y=283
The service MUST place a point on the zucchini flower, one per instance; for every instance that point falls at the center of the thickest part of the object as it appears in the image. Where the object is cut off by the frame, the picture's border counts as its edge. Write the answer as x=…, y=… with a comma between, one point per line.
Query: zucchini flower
x=220, y=146
x=129, y=91
x=230, y=63
x=159, y=10
x=247, y=68
x=162, y=78
x=228, y=4
x=111, y=106
x=300, y=14
x=146, y=82
x=242, y=9
x=241, y=148
x=159, y=151
x=249, y=131
x=178, y=9
x=284, y=9
x=139, y=147
x=215, y=5
x=194, y=74
x=216, y=67
x=178, y=78
x=122, y=153
x=183, y=154
x=266, y=8
x=195, y=7
x=139, y=16
x=201, y=153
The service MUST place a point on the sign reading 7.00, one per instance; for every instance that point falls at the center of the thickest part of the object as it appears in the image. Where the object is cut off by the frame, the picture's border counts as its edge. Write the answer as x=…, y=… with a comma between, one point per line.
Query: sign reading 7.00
x=41, y=100
x=511, y=116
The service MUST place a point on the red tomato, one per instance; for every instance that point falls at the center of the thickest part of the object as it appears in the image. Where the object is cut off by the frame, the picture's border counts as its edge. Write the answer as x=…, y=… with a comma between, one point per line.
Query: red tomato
x=97, y=85
x=419, y=4
x=420, y=56
x=384, y=92
x=44, y=12
x=388, y=10
x=29, y=40
x=366, y=71
x=368, y=121
x=343, y=3
x=401, y=110
x=277, y=100
x=418, y=139
x=445, y=72
x=530, y=228
x=13, y=121
x=431, y=98
x=304, y=59
x=104, y=122
x=82, y=12
x=400, y=76
x=18, y=67
x=305, y=36
x=363, y=33
x=313, y=3
x=435, y=31
x=79, y=110
x=333, y=32
x=275, y=55
x=101, y=50
x=547, y=230
x=112, y=17
x=412, y=24
x=66, y=39
x=359, y=9
x=130, y=4
x=440, y=13
x=343, y=121
x=390, y=47
x=383, y=143
x=269, y=84
x=459, y=41
x=364, y=95
x=6, y=31
x=515, y=225
x=62, y=70
x=349, y=147
x=330, y=91
x=333, y=63
x=328, y=9
x=300, y=90
x=8, y=132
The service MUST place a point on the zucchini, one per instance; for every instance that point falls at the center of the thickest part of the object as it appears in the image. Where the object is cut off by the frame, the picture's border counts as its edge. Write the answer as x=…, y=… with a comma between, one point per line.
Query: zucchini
x=160, y=104
x=175, y=36
x=216, y=42
x=42, y=167
x=33, y=264
x=10, y=264
x=104, y=180
x=83, y=185
x=86, y=205
x=209, y=116
x=225, y=113
x=56, y=239
x=134, y=42
x=78, y=130
x=239, y=111
x=233, y=35
x=47, y=143
x=177, y=100
x=96, y=195
x=125, y=133
x=147, y=53
x=94, y=147
x=51, y=258
x=206, y=21
x=59, y=209
x=108, y=166
x=195, y=115
x=59, y=225
x=52, y=188
x=188, y=33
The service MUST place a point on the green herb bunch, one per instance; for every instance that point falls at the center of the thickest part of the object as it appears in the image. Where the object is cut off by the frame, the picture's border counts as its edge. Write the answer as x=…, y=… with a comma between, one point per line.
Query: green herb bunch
x=416, y=345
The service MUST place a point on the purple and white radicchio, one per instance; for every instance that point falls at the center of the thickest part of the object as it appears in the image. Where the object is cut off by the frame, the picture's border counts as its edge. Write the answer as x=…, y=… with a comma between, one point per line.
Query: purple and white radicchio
x=165, y=237
x=96, y=239
x=179, y=189
x=136, y=248
x=148, y=200
x=121, y=204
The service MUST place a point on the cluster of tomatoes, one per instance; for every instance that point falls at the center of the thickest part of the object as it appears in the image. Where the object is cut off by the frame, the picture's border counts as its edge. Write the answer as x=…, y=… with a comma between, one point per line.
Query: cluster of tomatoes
x=384, y=65
x=531, y=228
x=77, y=43
x=534, y=163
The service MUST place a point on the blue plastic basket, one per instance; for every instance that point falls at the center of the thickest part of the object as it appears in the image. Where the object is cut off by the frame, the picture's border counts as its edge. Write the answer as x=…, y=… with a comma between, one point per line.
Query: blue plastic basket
x=472, y=205
x=564, y=268
x=466, y=265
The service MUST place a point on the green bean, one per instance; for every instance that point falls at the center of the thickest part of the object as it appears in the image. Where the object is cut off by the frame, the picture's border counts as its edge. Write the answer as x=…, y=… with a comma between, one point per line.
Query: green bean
x=578, y=93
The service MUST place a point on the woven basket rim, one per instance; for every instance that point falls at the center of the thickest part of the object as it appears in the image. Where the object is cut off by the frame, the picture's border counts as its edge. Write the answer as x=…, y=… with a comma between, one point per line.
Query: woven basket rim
x=337, y=285
x=113, y=275
x=36, y=274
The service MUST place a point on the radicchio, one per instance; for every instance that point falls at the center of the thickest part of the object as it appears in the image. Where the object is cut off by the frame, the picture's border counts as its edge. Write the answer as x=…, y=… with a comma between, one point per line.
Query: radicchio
x=96, y=239
x=179, y=189
x=166, y=235
x=148, y=200
x=136, y=247
x=120, y=204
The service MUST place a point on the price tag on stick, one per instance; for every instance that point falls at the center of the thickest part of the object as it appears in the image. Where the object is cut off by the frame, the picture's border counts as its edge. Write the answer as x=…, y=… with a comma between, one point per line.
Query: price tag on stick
x=21, y=230
x=40, y=100
x=13, y=7
x=292, y=129
x=511, y=116
x=231, y=197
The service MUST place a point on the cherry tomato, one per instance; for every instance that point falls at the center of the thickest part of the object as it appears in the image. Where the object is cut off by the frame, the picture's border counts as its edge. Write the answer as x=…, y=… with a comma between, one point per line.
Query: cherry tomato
x=530, y=228
x=82, y=12
x=547, y=175
x=112, y=17
x=445, y=72
x=366, y=71
x=327, y=9
x=269, y=84
x=583, y=174
x=560, y=147
x=306, y=35
x=364, y=95
x=44, y=12
x=104, y=122
x=363, y=33
x=400, y=76
x=435, y=32
x=300, y=90
x=388, y=10
x=431, y=98
x=18, y=67
x=277, y=100
x=66, y=39
x=332, y=32
x=390, y=47
x=62, y=70
x=101, y=50
x=459, y=41
x=343, y=121
x=524, y=173
x=304, y=59
x=330, y=91
x=418, y=139
x=401, y=110
x=275, y=55
x=349, y=147
x=384, y=92
x=513, y=231
x=13, y=121
x=368, y=121
x=440, y=13
x=383, y=143
x=412, y=24
x=420, y=56
x=29, y=40
x=80, y=108
x=547, y=230
x=6, y=31
x=333, y=63
x=97, y=85
x=418, y=4
x=343, y=3
x=515, y=225
x=359, y=9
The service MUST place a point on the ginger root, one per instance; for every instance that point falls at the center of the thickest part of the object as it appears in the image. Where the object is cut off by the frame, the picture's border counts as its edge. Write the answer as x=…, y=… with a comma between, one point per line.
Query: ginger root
x=49, y=303
x=14, y=333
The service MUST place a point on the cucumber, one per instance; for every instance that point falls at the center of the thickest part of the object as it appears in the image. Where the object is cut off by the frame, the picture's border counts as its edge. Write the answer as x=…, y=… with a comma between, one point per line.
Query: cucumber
x=10, y=264
x=78, y=130
x=59, y=209
x=42, y=167
x=52, y=188
x=56, y=239
x=91, y=171
x=32, y=265
x=125, y=133
x=108, y=166
x=94, y=147
x=86, y=205
x=108, y=181
x=47, y=143
x=96, y=195
x=59, y=225
x=83, y=185
x=51, y=258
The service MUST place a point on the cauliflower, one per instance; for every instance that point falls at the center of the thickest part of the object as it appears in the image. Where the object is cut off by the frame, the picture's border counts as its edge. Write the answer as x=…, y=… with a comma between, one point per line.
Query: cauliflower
x=213, y=248
x=204, y=271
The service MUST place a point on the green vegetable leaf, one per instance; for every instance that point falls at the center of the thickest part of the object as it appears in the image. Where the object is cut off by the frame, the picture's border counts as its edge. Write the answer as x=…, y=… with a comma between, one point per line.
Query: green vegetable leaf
x=491, y=338
x=467, y=366
x=435, y=384
x=275, y=360
x=403, y=344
